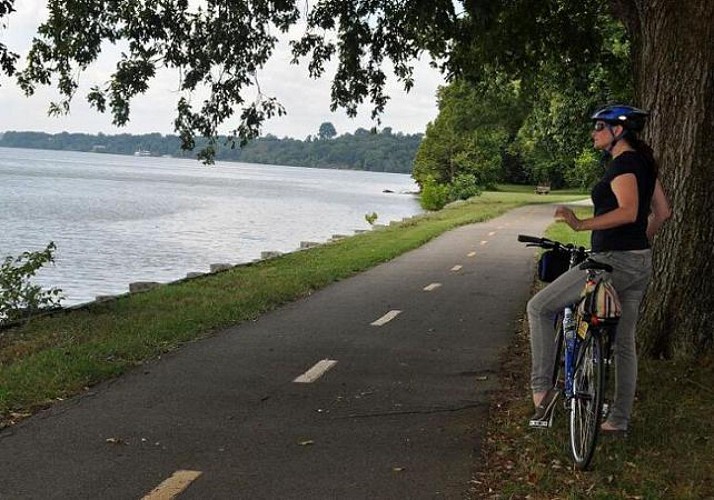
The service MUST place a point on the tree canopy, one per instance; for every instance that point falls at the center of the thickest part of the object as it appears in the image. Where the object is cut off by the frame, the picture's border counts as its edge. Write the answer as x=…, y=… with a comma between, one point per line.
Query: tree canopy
x=221, y=46
x=526, y=125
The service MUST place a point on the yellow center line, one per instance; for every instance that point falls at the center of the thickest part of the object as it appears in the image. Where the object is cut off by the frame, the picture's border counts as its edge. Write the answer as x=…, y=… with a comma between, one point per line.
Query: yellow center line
x=173, y=486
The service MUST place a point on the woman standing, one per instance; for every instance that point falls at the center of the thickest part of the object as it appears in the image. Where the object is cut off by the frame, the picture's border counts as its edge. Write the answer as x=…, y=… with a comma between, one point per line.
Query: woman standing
x=630, y=206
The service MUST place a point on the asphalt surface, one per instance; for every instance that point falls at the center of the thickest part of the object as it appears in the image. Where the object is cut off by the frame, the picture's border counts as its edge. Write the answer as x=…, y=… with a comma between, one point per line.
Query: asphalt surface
x=401, y=413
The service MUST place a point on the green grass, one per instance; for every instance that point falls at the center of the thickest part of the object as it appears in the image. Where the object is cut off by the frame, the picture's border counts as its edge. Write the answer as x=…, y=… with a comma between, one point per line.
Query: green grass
x=60, y=355
x=521, y=188
x=667, y=456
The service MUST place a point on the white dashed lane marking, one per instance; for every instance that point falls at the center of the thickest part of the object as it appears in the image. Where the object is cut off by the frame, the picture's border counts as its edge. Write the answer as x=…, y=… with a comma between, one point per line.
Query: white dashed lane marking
x=492, y=233
x=457, y=267
x=471, y=254
x=432, y=286
x=173, y=486
x=484, y=242
x=315, y=372
x=386, y=318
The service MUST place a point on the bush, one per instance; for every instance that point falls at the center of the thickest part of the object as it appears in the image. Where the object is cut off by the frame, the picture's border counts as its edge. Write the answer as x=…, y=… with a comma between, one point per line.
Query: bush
x=434, y=195
x=463, y=187
x=18, y=297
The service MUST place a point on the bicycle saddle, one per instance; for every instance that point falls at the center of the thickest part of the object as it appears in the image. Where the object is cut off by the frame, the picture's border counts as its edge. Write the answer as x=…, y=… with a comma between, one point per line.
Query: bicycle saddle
x=595, y=265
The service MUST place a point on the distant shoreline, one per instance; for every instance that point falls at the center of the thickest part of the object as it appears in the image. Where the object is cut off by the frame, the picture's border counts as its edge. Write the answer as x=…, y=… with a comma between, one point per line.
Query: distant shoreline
x=376, y=152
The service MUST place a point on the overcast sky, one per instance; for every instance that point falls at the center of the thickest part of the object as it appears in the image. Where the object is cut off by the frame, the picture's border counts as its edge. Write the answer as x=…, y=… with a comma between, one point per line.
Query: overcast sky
x=307, y=101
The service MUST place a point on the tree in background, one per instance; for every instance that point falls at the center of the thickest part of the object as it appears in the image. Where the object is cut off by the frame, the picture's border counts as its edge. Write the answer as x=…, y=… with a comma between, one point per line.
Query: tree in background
x=528, y=130
x=221, y=45
x=465, y=146
x=327, y=131
x=554, y=141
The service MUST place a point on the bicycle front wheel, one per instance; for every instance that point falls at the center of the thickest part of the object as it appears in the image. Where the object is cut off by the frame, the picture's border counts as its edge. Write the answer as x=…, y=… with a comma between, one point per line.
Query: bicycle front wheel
x=586, y=404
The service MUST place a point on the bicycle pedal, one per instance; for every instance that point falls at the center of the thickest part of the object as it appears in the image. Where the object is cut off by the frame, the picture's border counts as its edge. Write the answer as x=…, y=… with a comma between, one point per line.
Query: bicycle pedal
x=546, y=422
x=540, y=424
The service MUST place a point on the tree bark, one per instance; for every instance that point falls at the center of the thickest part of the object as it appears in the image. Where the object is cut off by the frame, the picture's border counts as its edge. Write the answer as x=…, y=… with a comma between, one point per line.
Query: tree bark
x=673, y=52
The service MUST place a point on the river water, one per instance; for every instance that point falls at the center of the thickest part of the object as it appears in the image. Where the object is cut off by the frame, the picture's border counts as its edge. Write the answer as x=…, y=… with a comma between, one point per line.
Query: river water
x=119, y=219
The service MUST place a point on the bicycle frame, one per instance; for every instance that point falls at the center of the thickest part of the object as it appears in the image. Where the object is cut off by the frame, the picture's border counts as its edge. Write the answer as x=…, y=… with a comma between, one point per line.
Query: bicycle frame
x=583, y=350
x=575, y=332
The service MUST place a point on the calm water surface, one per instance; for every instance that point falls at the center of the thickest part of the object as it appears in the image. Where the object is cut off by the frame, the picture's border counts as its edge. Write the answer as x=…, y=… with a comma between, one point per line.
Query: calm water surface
x=119, y=219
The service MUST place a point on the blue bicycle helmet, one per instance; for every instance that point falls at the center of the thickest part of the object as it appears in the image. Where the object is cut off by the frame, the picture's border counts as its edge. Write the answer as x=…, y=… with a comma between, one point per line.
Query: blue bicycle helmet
x=630, y=118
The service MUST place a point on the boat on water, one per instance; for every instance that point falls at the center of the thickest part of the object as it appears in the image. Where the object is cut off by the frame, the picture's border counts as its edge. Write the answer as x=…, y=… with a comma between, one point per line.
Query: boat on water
x=142, y=152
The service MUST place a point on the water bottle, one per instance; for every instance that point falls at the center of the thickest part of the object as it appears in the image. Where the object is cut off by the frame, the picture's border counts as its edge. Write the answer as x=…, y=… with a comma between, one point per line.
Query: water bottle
x=568, y=323
x=570, y=349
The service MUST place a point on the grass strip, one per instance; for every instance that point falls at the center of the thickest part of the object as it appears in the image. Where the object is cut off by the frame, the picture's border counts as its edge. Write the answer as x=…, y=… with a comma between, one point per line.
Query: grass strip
x=61, y=355
x=667, y=455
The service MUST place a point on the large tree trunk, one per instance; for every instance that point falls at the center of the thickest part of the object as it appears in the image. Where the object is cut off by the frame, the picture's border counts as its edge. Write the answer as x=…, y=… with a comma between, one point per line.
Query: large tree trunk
x=674, y=75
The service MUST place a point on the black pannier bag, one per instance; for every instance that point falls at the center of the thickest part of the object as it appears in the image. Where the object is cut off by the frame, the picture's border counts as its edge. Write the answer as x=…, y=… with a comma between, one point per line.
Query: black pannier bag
x=552, y=264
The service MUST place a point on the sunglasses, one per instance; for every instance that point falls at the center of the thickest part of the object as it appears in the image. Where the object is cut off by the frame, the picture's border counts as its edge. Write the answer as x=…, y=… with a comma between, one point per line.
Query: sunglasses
x=600, y=126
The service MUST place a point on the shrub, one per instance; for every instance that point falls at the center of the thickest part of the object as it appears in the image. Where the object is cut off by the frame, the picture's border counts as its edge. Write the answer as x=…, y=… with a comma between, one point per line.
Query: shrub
x=19, y=298
x=434, y=195
x=371, y=218
x=463, y=187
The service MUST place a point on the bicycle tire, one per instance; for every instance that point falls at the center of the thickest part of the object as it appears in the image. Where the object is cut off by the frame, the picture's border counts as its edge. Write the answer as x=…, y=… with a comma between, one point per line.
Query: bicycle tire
x=586, y=404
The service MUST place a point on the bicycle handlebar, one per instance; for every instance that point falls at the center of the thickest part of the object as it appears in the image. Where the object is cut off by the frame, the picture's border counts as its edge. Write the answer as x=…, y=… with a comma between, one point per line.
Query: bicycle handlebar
x=546, y=243
x=577, y=253
x=534, y=241
x=524, y=238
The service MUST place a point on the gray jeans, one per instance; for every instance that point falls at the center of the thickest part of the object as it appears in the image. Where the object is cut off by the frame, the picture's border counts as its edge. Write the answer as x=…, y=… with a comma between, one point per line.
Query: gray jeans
x=631, y=275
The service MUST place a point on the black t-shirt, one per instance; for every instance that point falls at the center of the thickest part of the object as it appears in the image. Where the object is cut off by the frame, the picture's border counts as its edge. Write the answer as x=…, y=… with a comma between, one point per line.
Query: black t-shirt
x=629, y=236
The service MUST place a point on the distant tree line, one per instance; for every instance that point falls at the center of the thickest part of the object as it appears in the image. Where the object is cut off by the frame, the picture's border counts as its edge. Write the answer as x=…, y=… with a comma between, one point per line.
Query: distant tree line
x=382, y=151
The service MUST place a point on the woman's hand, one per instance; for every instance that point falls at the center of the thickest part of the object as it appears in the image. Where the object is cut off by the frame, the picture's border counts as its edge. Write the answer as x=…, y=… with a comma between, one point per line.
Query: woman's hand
x=660, y=211
x=568, y=216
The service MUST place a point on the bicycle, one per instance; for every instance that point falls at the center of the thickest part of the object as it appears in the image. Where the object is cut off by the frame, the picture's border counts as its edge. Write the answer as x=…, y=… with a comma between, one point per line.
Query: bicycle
x=583, y=346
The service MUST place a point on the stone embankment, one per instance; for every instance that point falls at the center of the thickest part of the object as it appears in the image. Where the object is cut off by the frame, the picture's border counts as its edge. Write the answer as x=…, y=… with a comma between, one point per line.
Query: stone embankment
x=143, y=286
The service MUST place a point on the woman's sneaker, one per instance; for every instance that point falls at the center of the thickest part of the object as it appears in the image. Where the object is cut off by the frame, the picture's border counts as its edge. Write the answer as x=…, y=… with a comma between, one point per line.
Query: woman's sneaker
x=543, y=416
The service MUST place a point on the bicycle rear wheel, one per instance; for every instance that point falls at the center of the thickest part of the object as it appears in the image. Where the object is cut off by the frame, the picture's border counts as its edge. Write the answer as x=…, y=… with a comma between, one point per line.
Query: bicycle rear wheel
x=586, y=404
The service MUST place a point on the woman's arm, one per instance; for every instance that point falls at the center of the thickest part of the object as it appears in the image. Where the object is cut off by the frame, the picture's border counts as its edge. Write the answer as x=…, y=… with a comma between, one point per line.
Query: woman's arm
x=625, y=189
x=660, y=211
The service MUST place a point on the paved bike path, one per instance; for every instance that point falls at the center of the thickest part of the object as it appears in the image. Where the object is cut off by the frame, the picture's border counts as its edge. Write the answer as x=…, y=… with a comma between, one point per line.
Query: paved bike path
x=400, y=414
